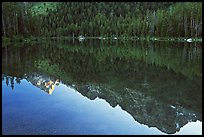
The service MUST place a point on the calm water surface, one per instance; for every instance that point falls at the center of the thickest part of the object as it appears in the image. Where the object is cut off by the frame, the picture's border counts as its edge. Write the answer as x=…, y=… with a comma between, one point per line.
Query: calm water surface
x=102, y=87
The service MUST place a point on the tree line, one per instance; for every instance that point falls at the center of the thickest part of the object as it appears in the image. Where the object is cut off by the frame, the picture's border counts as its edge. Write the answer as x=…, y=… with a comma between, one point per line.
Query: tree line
x=131, y=19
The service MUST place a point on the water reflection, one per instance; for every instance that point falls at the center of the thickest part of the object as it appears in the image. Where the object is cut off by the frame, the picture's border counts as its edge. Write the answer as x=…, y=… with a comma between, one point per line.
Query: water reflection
x=159, y=84
x=43, y=82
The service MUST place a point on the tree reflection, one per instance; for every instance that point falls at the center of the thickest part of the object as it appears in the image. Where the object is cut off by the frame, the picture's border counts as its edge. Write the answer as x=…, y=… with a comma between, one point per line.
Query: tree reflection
x=159, y=84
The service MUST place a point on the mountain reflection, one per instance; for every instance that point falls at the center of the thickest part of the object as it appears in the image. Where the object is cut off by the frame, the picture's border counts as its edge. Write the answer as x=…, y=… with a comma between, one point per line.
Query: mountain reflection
x=160, y=87
x=43, y=82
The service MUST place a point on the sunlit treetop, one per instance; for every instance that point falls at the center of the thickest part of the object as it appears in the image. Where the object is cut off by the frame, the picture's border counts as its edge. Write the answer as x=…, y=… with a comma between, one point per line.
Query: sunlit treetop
x=43, y=8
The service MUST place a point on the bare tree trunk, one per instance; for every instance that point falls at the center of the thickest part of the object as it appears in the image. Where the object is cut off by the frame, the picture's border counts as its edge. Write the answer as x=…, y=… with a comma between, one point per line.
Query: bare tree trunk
x=185, y=25
x=22, y=28
x=8, y=27
x=14, y=24
x=191, y=25
x=196, y=29
x=152, y=23
x=3, y=25
x=16, y=16
x=26, y=23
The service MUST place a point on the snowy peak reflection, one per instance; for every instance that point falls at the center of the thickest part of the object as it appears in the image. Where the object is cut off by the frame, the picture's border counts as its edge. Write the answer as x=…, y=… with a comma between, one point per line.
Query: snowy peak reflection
x=145, y=109
x=158, y=89
x=45, y=83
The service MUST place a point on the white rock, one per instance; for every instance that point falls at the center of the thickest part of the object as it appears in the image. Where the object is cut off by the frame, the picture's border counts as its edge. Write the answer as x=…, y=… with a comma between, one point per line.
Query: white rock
x=189, y=40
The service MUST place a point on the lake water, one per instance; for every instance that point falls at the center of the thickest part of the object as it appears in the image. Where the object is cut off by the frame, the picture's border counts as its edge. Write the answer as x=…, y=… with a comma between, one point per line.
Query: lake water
x=102, y=87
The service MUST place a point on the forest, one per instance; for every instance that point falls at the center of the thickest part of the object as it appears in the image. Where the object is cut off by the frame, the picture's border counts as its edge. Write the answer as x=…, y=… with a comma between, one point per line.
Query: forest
x=102, y=19
x=94, y=68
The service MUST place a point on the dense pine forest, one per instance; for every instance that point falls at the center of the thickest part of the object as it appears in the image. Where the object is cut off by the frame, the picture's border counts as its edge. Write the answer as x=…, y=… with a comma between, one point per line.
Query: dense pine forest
x=106, y=19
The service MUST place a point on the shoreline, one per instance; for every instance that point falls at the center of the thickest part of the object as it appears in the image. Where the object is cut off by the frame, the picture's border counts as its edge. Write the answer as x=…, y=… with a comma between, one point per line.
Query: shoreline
x=33, y=39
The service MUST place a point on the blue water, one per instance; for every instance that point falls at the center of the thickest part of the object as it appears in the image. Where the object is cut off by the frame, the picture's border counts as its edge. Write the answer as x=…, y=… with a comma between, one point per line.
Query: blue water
x=29, y=110
x=138, y=87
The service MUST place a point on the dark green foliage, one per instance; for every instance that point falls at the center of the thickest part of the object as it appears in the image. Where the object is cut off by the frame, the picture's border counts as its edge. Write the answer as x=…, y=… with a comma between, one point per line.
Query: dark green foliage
x=163, y=19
